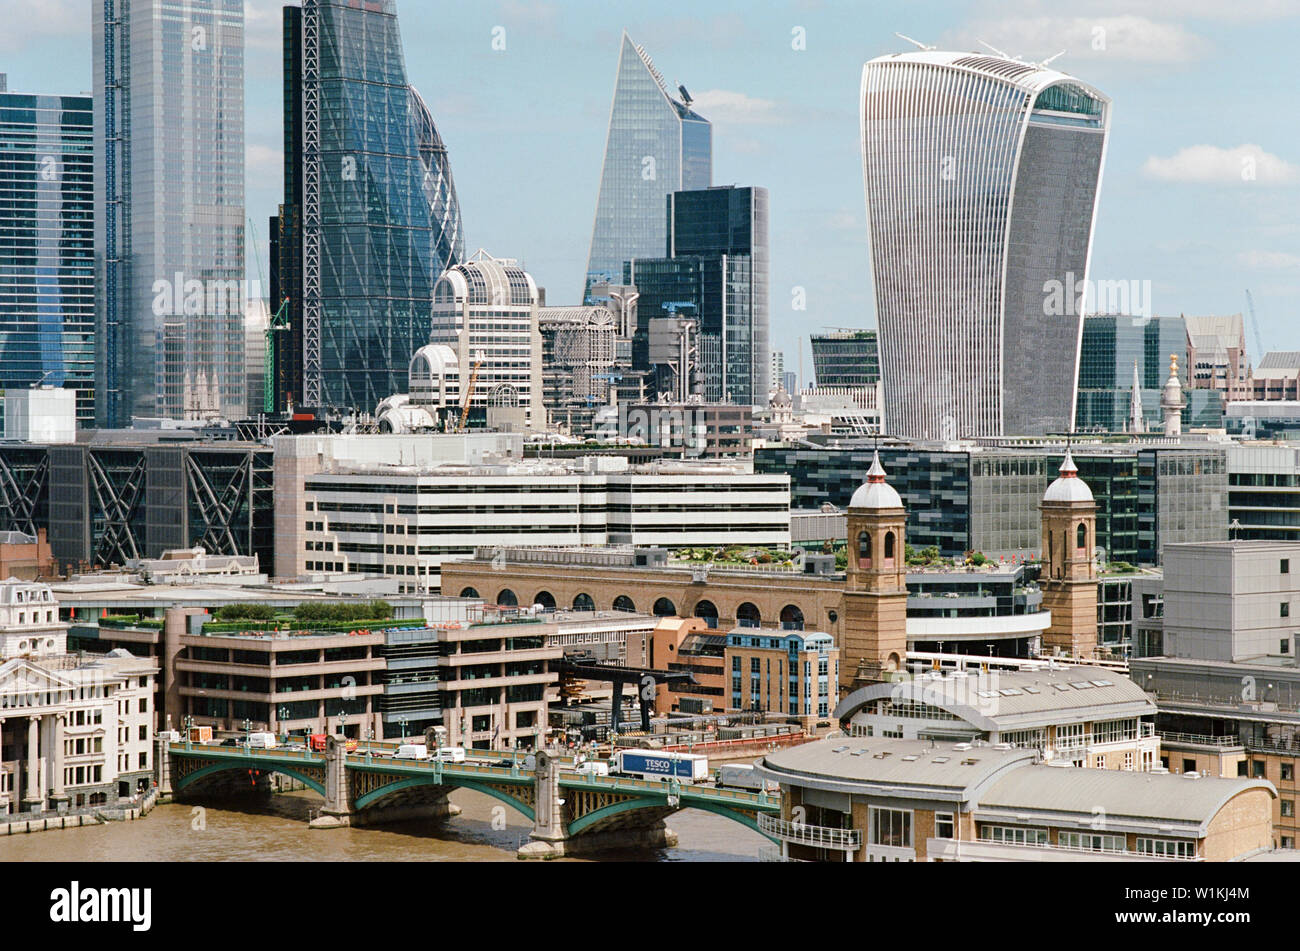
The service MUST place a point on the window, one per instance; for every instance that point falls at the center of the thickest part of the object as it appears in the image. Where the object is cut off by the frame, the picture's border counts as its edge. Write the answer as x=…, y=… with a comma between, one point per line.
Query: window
x=1091, y=841
x=1257, y=770
x=1285, y=608
x=944, y=826
x=891, y=827
x=1286, y=566
x=1069, y=736
x=1099, y=762
x=1115, y=731
x=1189, y=766
x=1169, y=848
x=1288, y=808
x=1288, y=772
x=1013, y=835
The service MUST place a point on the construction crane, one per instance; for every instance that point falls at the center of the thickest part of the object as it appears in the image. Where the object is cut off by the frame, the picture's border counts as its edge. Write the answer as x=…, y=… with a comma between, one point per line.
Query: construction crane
x=469, y=392
x=278, y=324
x=1254, y=326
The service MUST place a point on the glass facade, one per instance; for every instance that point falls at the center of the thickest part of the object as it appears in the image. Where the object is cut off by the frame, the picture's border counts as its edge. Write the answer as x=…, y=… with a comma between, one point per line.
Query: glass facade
x=380, y=217
x=1112, y=347
x=47, y=245
x=717, y=272
x=981, y=189
x=169, y=200
x=988, y=501
x=656, y=145
x=846, y=358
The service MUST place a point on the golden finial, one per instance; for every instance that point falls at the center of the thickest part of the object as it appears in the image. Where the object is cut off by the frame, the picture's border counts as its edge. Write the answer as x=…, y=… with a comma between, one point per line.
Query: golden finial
x=1173, y=364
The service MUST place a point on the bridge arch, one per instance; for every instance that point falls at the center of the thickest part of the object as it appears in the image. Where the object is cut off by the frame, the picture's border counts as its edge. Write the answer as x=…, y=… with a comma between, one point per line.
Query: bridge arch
x=597, y=816
x=448, y=782
x=212, y=769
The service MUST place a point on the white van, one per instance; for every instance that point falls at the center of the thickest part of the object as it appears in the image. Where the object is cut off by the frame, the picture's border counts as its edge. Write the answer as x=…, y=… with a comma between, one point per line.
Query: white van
x=451, y=754
x=261, y=741
x=592, y=767
x=412, y=751
x=171, y=736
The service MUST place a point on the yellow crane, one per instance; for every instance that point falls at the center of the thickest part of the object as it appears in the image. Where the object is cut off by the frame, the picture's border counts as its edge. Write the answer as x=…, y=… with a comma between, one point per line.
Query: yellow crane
x=469, y=392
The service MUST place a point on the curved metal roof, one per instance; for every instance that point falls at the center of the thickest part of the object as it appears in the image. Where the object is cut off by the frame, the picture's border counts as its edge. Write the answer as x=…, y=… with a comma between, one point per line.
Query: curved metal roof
x=486, y=280
x=1030, y=77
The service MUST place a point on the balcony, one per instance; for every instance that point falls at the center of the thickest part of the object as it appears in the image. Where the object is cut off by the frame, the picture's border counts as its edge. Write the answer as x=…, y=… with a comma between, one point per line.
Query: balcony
x=1200, y=739
x=820, y=837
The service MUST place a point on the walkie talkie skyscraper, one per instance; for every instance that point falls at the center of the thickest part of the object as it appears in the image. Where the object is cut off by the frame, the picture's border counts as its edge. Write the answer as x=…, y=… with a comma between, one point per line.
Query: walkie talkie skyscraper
x=982, y=175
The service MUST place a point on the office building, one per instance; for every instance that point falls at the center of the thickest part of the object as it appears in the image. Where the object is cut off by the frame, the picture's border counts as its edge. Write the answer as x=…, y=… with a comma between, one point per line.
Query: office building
x=715, y=273
x=846, y=358
x=76, y=732
x=867, y=799
x=579, y=356
x=1119, y=353
x=486, y=311
x=169, y=209
x=119, y=495
x=656, y=145
x=982, y=179
x=403, y=506
x=47, y=252
x=370, y=218
x=962, y=498
x=1216, y=356
x=1085, y=716
x=1224, y=672
x=1277, y=378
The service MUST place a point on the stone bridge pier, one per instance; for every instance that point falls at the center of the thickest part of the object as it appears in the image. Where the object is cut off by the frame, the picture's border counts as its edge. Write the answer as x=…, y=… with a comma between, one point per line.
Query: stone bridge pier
x=573, y=822
x=345, y=789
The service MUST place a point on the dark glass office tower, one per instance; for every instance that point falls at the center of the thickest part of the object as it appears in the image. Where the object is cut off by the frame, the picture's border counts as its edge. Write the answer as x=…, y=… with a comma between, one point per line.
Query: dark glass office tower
x=716, y=270
x=657, y=144
x=47, y=245
x=370, y=207
x=846, y=358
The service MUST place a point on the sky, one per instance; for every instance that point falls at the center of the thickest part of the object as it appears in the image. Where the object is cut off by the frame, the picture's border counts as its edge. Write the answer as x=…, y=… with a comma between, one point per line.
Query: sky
x=1200, y=194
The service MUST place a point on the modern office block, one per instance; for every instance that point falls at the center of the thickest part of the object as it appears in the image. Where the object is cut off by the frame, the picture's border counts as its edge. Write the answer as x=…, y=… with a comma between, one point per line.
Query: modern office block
x=169, y=200
x=657, y=144
x=47, y=245
x=982, y=176
x=846, y=358
x=370, y=208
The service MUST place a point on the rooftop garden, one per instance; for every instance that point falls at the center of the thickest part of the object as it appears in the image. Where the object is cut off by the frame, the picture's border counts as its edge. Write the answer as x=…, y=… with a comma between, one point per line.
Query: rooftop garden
x=309, y=616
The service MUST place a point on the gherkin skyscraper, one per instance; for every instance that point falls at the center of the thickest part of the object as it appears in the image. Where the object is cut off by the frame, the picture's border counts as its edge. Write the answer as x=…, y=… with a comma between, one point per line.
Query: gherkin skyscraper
x=370, y=219
x=657, y=144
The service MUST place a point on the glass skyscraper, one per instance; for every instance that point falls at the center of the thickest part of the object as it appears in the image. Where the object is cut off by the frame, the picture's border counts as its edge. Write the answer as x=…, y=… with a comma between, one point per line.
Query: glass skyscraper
x=982, y=175
x=656, y=145
x=846, y=358
x=370, y=206
x=716, y=271
x=169, y=201
x=47, y=244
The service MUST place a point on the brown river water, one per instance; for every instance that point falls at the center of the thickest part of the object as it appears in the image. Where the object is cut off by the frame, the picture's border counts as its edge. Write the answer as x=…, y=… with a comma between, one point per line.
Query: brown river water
x=275, y=829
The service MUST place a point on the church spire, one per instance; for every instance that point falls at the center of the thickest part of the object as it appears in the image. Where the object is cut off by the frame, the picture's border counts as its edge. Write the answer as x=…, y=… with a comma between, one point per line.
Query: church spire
x=1136, y=422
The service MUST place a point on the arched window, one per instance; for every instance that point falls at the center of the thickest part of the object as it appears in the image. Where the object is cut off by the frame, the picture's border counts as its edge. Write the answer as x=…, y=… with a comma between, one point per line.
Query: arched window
x=1082, y=536
x=584, y=602
x=665, y=608
x=707, y=612
x=791, y=618
x=545, y=599
x=469, y=593
x=864, y=549
x=508, y=598
x=624, y=603
x=889, y=546
x=747, y=616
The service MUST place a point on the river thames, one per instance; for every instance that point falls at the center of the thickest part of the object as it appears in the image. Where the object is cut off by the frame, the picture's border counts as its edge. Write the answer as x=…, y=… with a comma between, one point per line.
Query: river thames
x=275, y=829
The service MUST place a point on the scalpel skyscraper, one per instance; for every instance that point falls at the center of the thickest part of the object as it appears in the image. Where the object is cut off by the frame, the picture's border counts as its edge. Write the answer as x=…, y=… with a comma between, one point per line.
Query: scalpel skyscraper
x=982, y=175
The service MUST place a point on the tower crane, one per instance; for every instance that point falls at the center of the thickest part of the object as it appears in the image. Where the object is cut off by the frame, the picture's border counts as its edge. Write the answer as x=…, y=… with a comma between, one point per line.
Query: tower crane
x=469, y=391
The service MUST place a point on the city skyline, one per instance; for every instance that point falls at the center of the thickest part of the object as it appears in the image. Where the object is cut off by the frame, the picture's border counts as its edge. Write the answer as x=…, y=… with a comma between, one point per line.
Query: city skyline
x=1175, y=208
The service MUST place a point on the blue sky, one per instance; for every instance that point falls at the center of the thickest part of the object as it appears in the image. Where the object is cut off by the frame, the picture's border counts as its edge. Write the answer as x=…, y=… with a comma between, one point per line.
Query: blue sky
x=1199, y=87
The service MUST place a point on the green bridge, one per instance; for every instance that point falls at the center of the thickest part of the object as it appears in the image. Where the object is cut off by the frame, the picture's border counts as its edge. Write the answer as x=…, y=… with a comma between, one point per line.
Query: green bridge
x=571, y=812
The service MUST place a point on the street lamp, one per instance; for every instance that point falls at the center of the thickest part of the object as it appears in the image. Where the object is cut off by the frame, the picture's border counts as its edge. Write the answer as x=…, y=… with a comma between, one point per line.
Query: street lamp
x=248, y=728
x=402, y=720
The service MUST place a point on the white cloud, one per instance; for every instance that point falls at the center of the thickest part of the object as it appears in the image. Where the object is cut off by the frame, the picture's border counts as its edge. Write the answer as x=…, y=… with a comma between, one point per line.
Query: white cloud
x=1128, y=37
x=263, y=24
x=1209, y=164
x=34, y=21
x=1268, y=260
x=723, y=105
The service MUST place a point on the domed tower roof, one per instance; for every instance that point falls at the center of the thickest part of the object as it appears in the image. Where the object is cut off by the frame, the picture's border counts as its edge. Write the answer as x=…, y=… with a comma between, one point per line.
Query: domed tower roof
x=876, y=493
x=1068, y=487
